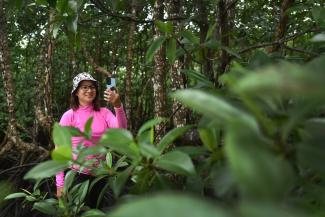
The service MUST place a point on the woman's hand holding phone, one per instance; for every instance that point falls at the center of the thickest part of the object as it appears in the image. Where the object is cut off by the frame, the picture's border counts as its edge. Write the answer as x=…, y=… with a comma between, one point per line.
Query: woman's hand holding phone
x=113, y=97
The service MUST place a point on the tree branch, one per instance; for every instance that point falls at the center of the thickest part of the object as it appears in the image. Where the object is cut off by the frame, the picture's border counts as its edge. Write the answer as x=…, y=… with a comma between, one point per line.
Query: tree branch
x=289, y=38
x=301, y=50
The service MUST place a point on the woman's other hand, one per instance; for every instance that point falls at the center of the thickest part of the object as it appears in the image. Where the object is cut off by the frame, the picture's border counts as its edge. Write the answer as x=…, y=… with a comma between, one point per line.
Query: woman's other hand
x=113, y=97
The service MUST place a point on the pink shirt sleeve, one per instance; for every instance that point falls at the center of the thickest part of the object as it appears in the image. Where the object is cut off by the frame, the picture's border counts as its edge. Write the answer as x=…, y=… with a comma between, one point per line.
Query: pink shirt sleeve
x=118, y=120
x=66, y=120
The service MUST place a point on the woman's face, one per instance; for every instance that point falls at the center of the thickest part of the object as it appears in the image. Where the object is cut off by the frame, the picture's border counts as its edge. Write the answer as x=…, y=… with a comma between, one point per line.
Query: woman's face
x=86, y=92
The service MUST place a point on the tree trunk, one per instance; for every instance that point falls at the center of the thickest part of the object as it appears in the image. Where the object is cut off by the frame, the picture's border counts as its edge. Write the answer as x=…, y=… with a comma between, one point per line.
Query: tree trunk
x=129, y=68
x=282, y=24
x=204, y=28
x=224, y=37
x=13, y=141
x=159, y=74
x=43, y=104
x=178, y=81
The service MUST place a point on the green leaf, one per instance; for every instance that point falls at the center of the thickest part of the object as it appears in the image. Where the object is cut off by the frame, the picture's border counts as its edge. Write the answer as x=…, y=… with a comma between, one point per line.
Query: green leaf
x=176, y=162
x=93, y=150
x=319, y=15
x=171, y=136
x=42, y=2
x=230, y=51
x=311, y=150
x=198, y=77
x=61, y=135
x=88, y=127
x=166, y=27
x=120, y=163
x=149, y=124
x=206, y=103
x=45, y=207
x=254, y=167
x=46, y=169
x=121, y=141
x=118, y=182
x=109, y=159
x=190, y=36
x=171, y=205
x=82, y=192
x=258, y=209
x=68, y=180
x=211, y=31
x=15, y=195
x=209, y=138
x=192, y=151
x=62, y=153
x=154, y=47
x=116, y=136
x=171, y=50
x=149, y=150
x=93, y=213
x=75, y=131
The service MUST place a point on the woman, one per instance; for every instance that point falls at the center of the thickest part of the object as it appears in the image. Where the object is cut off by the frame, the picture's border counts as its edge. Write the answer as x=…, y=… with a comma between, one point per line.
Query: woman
x=84, y=105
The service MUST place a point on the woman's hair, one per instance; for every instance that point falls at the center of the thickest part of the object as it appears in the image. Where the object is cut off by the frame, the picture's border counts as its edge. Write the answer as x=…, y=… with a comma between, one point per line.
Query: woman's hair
x=74, y=101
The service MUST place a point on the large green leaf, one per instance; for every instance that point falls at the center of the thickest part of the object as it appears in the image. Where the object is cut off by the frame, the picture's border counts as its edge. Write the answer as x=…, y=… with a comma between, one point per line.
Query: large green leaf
x=198, y=77
x=214, y=107
x=149, y=150
x=171, y=50
x=171, y=136
x=121, y=141
x=62, y=153
x=166, y=27
x=117, y=183
x=46, y=169
x=15, y=195
x=211, y=31
x=61, y=135
x=190, y=36
x=68, y=179
x=87, y=130
x=258, y=209
x=311, y=149
x=176, y=162
x=171, y=205
x=82, y=192
x=93, y=213
x=45, y=207
x=149, y=124
x=209, y=138
x=285, y=79
x=93, y=150
x=254, y=167
x=154, y=47
x=319, y=15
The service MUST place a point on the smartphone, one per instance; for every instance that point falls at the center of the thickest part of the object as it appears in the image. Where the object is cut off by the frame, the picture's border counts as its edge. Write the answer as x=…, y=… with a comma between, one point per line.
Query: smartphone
x=111, y=82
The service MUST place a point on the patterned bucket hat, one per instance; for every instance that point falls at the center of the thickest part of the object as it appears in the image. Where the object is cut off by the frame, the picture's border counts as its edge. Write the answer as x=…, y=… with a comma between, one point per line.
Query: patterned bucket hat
x=84, y=76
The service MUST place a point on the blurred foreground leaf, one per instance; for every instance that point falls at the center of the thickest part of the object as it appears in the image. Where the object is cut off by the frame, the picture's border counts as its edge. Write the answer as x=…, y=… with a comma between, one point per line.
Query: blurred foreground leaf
x=168, y=205
x=46, y=169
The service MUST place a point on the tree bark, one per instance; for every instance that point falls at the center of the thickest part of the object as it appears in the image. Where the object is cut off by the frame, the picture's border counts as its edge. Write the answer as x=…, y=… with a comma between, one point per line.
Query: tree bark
x=224, y=37
x=159, y=79
x=282, y=24
x=44, y=96
x=204, y=28
x=177, y=80
x=13, y=142
x=129, y=67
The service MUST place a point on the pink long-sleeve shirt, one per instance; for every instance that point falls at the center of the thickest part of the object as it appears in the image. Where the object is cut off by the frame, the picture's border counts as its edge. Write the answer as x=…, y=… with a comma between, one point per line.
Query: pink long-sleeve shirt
x=102, y=120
